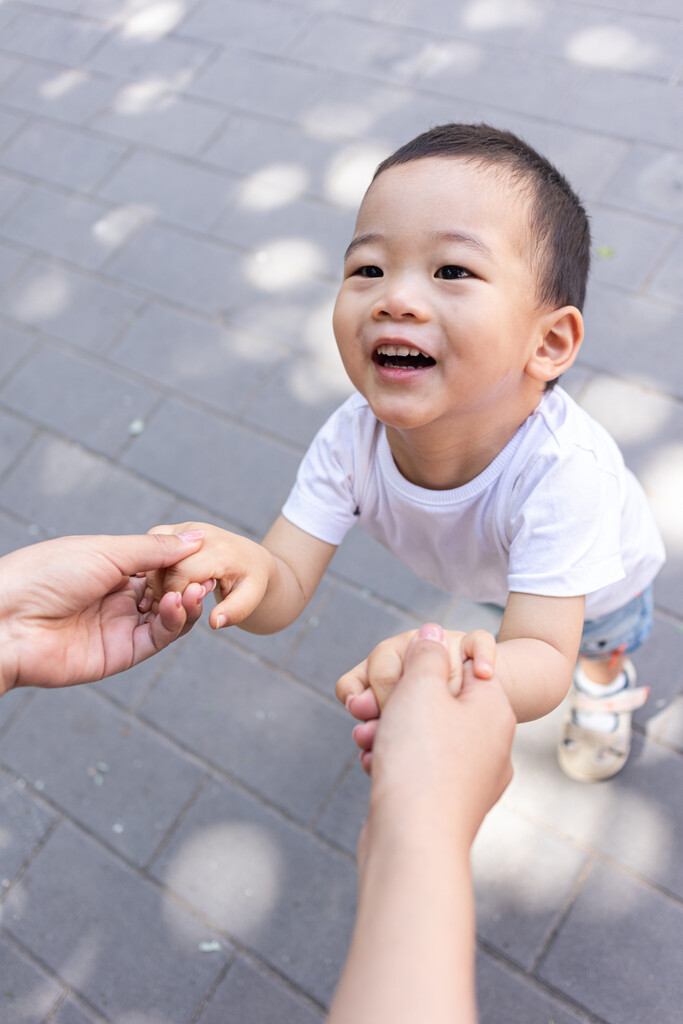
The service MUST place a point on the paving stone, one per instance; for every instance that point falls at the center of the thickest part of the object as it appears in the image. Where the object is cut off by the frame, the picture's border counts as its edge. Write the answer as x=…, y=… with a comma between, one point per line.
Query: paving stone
x=154, y=114
x=523, y=83
x=281, y=162
x=79, y=910
x=298, y=318
x=626, y=249
x=647, y=791
x=67, y=490
x=14, y=437
x=61, y=94
x=658, y=666
x=28, y=995
x=329, y=650
x=293, y=241
x=513, y=25
x=632, y=43
x=15, y=533
x=204, y=275
x=347, y=809
x=507, y=997
x=256, y=26
x=74, y=397
x=668, y=281
x=72, y=227
x=118, y=780
x=128, y=54
x=70, y=1013
x=617, y=951
x=60, y=155
x=281, y=741
x=128, y=689
x=251, y=82
x=669, y=728
x=16, y=344
x=363, y=561
x=295, y=400
x=214, y=364
x=633, y=106
x=48, y=34
x=25, y=823
x=362, y=48
x=521, y=893
x=249, y=993
x=275, y=889
x=178, y=450
x=633, y=337
x=650, y=181
x=11, y=260
x=175, y=190
x=11, y=191
x=70, y=305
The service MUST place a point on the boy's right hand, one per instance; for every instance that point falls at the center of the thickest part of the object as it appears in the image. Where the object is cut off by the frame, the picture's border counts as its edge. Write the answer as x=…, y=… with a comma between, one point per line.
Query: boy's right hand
x=240, y=567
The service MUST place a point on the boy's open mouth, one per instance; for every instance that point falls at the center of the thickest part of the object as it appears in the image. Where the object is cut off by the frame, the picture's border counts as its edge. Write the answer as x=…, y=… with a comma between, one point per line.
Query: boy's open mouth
x=403, y=356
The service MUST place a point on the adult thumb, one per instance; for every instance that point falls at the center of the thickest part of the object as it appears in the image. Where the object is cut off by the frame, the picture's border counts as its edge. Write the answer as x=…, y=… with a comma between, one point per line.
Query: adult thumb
x=427, y=662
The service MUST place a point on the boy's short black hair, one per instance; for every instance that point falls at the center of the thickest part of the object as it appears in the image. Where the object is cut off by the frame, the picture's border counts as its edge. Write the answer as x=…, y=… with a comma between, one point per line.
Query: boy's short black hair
x=559, y=232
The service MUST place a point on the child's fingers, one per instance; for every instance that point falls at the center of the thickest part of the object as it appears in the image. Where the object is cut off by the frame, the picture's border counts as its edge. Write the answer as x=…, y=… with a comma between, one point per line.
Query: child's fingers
x=240, y=600
x=479, y=647
x=352, y=683
x=385, y=666
x=363, y=706
x=364, y=734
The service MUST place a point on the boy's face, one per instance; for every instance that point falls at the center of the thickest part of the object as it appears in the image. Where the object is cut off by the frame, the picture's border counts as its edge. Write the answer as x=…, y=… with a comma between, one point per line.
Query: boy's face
x=437, y=315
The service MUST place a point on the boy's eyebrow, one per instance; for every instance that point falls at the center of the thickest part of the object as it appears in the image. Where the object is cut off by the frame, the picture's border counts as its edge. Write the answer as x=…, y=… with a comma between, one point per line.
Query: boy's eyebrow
x=361, y=240
x=465, y=239
x=460, y=237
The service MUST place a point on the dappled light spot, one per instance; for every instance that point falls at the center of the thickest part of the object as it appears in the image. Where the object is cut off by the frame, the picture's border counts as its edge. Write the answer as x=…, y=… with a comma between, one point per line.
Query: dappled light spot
x=462, y=58
x=284, y=263
x=115, y=227
x=231, y=870
x=154, y=22
x=312, y=382
x=350, y=173
x=152, y=94
x=274, y=186
x=43, y=298
x=609, y=46
x=628, y=412
x=662, y=479
x=62, y=84
x=487, y=15
x=330, y=120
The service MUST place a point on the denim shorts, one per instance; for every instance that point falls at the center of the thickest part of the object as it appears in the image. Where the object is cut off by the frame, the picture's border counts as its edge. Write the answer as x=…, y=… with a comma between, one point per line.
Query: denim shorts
x=619, y=632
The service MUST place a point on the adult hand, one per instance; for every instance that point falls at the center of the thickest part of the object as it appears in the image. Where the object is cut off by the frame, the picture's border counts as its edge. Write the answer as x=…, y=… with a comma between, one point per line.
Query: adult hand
x=69, y=608
x=439, y=754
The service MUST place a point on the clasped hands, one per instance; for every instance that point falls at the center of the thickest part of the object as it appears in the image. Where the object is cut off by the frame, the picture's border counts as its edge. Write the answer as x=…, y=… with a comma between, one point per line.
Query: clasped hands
x=242, y=570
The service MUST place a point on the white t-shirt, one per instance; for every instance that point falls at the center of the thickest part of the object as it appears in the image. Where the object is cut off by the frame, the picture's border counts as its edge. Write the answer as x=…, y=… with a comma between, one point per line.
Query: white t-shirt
x=556, y=513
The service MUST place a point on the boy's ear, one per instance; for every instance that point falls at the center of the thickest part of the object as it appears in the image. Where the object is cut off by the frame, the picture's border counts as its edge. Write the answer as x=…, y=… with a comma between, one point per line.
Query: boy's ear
x=561, y=334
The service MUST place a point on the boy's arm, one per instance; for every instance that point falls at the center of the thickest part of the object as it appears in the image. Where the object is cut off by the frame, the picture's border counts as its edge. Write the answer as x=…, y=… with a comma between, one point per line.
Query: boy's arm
x=263, y=587
x=538, y=645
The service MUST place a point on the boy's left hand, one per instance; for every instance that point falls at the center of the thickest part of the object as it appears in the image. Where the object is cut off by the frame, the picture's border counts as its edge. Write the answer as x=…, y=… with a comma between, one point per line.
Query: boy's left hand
x=365, y=689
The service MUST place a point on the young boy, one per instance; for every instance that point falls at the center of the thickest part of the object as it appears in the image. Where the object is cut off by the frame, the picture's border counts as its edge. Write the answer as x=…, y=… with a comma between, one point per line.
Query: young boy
x=459, y=309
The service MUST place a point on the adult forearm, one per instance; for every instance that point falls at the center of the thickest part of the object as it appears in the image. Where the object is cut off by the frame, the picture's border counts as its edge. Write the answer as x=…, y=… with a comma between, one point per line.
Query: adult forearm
x=412, y=953
x=534, y=675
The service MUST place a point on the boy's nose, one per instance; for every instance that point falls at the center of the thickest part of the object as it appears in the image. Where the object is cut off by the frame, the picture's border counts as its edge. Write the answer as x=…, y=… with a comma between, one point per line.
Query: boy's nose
x=401, y=300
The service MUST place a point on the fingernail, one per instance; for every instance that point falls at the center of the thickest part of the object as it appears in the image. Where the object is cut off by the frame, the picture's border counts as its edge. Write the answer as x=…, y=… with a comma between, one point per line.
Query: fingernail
x=220, y=621
x=351, y=696
x=191, y=535
x=430, y=631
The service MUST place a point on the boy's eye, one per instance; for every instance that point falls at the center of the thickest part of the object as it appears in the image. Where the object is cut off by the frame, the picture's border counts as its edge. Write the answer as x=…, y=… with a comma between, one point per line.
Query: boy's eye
x=369, y=271
x=452, y=273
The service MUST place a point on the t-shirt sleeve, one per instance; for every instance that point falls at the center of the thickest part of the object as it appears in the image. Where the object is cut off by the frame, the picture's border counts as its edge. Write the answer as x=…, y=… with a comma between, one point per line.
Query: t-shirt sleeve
x=565, y=528
x=322, y=501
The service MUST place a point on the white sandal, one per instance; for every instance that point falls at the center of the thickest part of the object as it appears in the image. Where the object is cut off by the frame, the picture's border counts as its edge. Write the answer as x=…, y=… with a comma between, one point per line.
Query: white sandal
x=587, y=755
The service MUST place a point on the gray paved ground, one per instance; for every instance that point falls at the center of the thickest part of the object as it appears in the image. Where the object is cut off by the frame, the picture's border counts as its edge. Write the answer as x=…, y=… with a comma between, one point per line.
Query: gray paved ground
x=177, y=181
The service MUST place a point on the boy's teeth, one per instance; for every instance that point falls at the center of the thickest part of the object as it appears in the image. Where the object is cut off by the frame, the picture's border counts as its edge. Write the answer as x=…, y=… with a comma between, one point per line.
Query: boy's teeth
x=398, y=350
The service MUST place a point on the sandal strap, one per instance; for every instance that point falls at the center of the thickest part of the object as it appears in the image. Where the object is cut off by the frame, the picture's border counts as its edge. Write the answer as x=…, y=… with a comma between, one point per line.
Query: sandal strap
x=624, y=700
x=618, y=742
